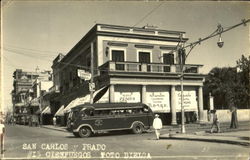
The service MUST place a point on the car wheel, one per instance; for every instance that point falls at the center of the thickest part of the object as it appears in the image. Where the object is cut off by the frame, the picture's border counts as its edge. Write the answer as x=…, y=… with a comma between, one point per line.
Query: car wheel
x=85, y=132
x=76, y=134
x=137, y=128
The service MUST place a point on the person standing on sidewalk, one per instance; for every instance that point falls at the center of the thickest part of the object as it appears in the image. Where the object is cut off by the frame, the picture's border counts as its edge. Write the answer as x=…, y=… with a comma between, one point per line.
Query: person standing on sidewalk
x=2, y=130
x=157, y=125
x=234, y=119
x=215, y=122
x=54, y=121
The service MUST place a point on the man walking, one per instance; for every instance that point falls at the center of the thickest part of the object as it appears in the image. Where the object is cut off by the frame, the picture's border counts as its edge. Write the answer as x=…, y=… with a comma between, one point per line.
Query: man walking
x=215, y=122
x=157, y=125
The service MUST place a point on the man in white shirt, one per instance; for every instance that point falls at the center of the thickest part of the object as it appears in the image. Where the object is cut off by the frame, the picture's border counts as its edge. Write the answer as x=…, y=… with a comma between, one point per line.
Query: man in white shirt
x=157, y=125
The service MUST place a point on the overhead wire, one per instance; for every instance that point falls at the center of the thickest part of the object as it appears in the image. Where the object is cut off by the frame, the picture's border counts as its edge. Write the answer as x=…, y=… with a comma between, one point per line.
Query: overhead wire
x=35, y=50
x=147, y=14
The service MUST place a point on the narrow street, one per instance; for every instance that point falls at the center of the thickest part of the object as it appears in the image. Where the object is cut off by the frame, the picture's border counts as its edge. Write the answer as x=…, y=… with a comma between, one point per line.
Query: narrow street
x=34, y=143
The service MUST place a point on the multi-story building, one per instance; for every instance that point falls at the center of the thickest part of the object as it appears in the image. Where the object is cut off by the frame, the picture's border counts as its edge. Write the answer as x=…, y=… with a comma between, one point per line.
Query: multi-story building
x=137, y=64
x=23, y=92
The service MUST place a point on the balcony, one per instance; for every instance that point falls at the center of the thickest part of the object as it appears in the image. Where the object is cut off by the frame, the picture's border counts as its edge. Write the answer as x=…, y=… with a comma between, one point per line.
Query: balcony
x=151, y=68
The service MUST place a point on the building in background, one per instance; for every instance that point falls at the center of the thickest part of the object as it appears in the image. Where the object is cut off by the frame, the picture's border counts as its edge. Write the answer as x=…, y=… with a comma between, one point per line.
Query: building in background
x=24, y=94
x=136, y=65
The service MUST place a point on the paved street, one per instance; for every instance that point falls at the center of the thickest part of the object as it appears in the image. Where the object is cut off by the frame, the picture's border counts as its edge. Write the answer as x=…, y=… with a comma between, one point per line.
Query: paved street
x=31, y=142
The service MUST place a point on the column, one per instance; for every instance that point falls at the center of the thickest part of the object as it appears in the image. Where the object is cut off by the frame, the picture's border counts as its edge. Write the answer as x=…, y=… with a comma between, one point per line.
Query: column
x=173, y=106
x=200, y=101
x=143, y=94
x=111, y=93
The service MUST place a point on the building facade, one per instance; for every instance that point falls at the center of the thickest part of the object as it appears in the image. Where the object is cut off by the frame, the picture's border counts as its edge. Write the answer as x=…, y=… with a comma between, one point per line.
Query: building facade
x=25, y=93
x=137, y=65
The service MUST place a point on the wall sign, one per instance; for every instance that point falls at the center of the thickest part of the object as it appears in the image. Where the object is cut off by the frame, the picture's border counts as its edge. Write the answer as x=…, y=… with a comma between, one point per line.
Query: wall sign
x=130, y=97
x=189, y=100
x=158, y=99
x=129, y=94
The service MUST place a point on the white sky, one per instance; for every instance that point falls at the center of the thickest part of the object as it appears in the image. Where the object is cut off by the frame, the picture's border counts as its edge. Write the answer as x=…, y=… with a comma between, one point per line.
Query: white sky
x=34, y=32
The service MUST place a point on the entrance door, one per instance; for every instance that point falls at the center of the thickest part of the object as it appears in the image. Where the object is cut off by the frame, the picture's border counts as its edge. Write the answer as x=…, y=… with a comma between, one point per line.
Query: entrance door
x=118, y=56
x=168, y=59
x=144, y=57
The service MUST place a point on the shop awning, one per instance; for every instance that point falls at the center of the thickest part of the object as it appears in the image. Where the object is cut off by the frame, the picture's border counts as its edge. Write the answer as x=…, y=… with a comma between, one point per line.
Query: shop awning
x=98, y=97
x=46, y=110
x=34, y=102
x=19, y=104
x=38, y=111
x=60, y=111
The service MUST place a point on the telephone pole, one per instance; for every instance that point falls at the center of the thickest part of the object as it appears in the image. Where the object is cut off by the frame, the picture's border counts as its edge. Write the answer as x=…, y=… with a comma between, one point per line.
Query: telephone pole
x=184, y=56
x=91, y=84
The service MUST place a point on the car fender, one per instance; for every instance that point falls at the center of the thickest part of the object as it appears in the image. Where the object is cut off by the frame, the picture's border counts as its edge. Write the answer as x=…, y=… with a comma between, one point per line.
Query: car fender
x=136, y=122
x=83, y=125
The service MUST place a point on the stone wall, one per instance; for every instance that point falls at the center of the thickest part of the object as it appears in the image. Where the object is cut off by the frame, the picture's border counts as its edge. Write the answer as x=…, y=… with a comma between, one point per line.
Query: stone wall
x=225, y=115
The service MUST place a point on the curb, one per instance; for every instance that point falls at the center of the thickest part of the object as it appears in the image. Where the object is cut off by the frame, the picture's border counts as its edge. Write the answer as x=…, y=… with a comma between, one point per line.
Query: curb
x=215, y=140
x=56, y=129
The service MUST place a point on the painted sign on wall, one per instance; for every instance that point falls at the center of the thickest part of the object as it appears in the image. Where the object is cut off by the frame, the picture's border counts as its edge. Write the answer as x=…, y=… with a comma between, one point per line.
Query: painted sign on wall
x=157, y=98
x=189, y=99
x=130, y=94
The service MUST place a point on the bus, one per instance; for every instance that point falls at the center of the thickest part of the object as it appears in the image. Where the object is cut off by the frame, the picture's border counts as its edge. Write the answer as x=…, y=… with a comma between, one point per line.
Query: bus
x=88, y=119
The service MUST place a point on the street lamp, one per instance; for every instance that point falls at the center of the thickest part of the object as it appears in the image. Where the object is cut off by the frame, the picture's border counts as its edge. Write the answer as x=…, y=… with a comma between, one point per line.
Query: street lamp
x=183, y=56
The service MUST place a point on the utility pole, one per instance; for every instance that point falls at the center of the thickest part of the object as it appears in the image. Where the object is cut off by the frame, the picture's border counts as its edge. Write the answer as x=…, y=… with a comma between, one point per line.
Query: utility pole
x=91, y=84
x=181, y=50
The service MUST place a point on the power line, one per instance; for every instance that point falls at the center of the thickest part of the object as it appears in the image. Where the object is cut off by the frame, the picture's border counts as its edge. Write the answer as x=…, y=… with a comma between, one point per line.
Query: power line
x=36, y=50
x=31, y=55
x=148, y=14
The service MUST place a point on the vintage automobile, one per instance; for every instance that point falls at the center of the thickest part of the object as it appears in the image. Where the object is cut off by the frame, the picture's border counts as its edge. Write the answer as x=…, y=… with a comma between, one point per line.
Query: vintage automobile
x=85, y=120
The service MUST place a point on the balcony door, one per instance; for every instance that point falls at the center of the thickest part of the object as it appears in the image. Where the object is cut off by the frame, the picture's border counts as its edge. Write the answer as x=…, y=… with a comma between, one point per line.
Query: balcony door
x=144, y=57
x=168, y=58
x=118, y=56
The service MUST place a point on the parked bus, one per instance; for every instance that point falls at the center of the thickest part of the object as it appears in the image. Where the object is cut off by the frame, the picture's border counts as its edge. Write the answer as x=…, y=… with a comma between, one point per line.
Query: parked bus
x=85, y=120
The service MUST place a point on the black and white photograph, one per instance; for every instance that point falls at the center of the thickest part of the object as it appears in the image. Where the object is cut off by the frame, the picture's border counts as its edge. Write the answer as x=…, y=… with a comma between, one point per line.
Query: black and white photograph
x=137, y=79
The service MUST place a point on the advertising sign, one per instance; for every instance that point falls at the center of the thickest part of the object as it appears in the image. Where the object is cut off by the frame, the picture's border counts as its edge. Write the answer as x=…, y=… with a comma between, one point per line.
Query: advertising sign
x=83, y=74
x=189, y=100
x=158, y=99
x=129, y=97
x=129, y=94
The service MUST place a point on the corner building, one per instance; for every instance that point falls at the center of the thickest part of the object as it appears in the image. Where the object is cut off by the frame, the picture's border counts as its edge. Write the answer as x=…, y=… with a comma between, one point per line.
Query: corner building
x=137, y=65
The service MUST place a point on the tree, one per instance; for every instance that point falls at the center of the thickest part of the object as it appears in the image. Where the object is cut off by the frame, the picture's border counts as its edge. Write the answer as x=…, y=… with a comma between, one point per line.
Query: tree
x=228, y=86
x=219, y=83
x=243, y=74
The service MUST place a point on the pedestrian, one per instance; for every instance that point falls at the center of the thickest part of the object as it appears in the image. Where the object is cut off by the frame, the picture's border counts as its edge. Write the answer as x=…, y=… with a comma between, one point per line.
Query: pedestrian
x=2, y=130
x=234, y=119
x=54, y=121
x=157, y=125
x=216, y=122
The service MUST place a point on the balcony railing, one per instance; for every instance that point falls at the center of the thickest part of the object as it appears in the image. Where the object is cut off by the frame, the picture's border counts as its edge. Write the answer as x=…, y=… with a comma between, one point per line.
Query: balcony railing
x=148, y=68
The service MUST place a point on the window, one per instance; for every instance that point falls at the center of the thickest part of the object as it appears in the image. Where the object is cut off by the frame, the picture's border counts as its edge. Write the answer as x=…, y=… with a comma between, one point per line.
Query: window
x=118, y=56
x=144, y=57
x=168, y=58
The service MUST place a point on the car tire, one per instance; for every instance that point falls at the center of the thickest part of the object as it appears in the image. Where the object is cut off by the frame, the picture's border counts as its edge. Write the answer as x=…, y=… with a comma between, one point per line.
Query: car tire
x=76, y=134
x=137, y=128
x=85, y=132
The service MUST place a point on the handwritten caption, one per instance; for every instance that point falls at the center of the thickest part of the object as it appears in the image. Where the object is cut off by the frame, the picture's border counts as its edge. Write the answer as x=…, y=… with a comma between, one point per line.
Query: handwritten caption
x=61, y=150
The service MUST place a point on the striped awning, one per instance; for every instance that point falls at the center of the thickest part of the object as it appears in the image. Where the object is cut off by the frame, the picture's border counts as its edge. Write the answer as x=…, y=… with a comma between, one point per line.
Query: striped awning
x=46, y=110
x=98, y=95
x=60, y=111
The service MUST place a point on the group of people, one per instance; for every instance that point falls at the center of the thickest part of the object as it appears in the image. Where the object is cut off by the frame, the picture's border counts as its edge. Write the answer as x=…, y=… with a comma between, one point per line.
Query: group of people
x=157, y=123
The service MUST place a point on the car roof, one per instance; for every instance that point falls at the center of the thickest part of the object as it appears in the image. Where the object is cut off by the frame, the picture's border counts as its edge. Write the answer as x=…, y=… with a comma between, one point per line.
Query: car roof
x=103, y=106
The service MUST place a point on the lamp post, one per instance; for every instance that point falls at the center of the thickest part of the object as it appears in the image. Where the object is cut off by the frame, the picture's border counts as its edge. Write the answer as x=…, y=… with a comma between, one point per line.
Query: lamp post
x=183, y=56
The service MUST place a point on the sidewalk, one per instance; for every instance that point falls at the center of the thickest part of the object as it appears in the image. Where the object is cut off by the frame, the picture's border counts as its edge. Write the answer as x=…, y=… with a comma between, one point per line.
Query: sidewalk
x=239, y=136
x=57, y=128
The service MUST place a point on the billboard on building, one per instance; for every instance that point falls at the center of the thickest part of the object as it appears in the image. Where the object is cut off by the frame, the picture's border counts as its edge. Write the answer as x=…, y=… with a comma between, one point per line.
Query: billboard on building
x=157, y=97
x=189, y=99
